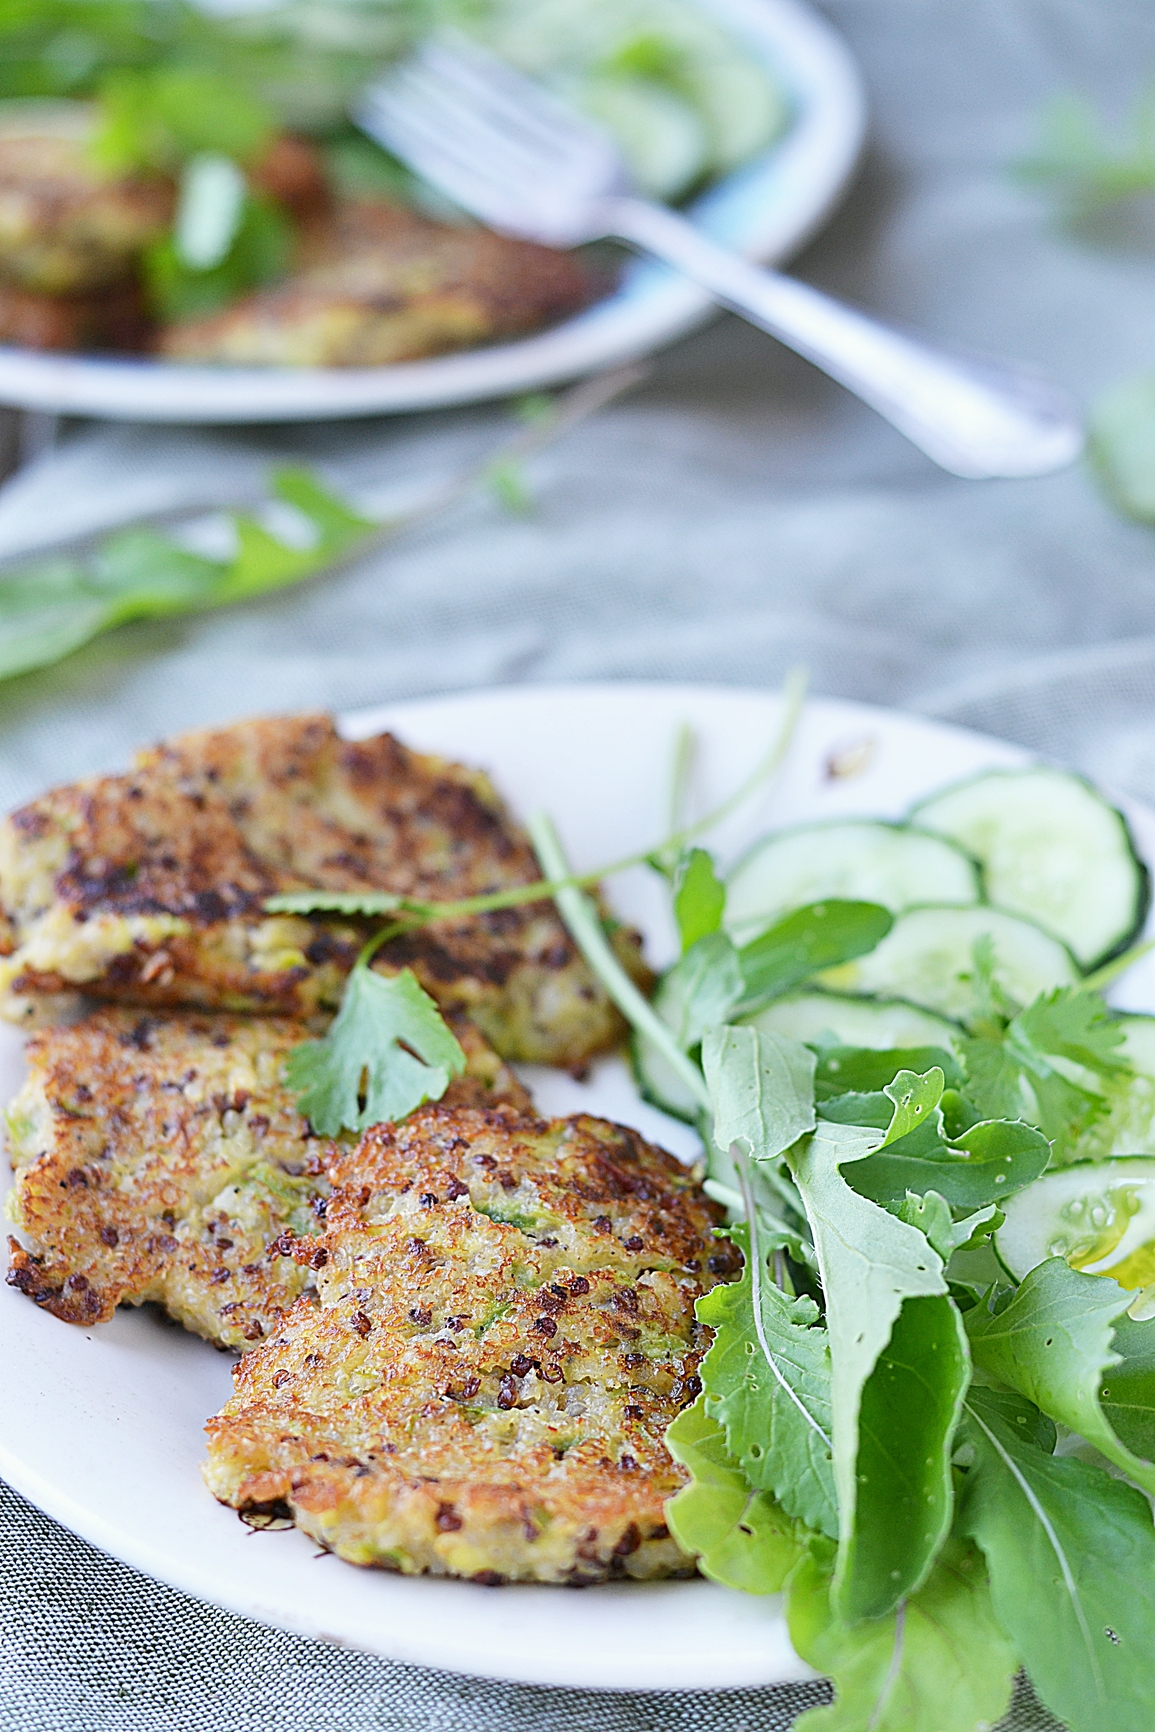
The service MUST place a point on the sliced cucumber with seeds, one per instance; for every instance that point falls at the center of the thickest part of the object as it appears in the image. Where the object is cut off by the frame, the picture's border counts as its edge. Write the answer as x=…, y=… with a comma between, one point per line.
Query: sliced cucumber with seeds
x=928, y=956
x=1051, y=848
x=1099, y=1215
x=825, y=1018
x=861, y=858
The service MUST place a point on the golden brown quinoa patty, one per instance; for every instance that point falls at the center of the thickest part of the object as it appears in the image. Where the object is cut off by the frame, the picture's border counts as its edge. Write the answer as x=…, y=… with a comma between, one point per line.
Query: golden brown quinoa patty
x=379, y=283
x=502, y=1330
x=150, y=887
x=160, y=1157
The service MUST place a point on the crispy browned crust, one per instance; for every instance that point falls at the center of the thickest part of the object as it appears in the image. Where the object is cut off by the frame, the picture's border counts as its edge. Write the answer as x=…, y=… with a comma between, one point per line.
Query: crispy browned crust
x=379, y=283
x=150, y=887
x=502, y=1330
x=112, y=318
x=162, y=1158
x=66, y=229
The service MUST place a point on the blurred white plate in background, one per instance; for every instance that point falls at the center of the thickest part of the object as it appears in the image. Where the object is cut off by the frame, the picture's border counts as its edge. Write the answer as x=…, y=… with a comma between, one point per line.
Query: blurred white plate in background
x=766, y=210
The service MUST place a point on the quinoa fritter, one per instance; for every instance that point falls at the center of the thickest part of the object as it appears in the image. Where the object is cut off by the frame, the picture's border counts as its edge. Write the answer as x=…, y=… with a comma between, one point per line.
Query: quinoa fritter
x=162, y=1158
x=502, y=1330
x=66, y=228
x=378, y=283
x=150, y=887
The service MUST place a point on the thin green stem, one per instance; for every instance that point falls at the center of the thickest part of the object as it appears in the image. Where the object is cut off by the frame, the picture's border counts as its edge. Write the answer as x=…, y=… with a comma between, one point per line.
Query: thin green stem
x=581, y=917
x=1118, y=965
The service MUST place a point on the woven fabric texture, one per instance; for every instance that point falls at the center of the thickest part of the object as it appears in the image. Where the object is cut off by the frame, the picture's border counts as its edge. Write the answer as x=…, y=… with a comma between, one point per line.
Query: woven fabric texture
x=735, y=515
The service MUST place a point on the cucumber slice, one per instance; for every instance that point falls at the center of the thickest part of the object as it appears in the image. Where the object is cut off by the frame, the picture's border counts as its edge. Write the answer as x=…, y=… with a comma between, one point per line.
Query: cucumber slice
x=823, y=1018
x=928, y=957
x=743, y=109
x=660, y=1084
x=859, y=858
x=1051, y=848
x=662, y=139
x=1099, y=1215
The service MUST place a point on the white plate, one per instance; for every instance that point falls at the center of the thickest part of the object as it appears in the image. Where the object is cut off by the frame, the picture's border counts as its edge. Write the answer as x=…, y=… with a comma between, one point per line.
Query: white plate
x=766, y=210
x=102, y=1427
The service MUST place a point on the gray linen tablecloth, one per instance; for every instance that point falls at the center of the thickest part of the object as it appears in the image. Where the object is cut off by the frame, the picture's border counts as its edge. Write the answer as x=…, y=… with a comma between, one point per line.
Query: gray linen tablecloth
x=735, y=515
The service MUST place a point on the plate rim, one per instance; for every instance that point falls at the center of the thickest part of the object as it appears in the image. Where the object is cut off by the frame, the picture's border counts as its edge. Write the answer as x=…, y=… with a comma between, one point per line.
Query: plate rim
x=691, y=1671
x=812, y=164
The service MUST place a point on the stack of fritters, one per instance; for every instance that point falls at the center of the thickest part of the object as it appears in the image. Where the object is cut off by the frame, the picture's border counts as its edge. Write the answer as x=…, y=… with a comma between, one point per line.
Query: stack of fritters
x=161, y=1157
x=468, y=1333
x=502, y=1330
x=150, y=888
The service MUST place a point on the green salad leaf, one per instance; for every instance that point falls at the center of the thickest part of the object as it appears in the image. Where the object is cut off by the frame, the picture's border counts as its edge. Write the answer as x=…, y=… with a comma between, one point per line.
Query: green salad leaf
x=986, y=1163
x=821, y=935
x=1122, y=446
x=766, y=1381
x=50, y=609
x=155, y=119
x=1056, y=1063
x=386, y=1052
x=699, y=897
x=939, y=1663
x=1076, y=158
x=899, y=1371
x=740, y=1536
x=1054, y=1343
x=1071, y=1556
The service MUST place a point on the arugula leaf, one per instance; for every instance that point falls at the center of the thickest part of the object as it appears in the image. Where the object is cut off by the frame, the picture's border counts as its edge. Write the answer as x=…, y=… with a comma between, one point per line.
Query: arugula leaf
x=939, y=1663
x=931, y=1214
x=48, y=610
x=915, y=1101
x=386, y=1052
x=702, y=988
x=1071, y=1556
x=846, y=1069
x=740, y=1537
x=351, y=902
x=984, y=1165
x=761, y=1090
x=821, y=935
x=1053, y=1343
x=772, y=1400
x=1025, y=1072
x=699, y=897
x=892, y=1326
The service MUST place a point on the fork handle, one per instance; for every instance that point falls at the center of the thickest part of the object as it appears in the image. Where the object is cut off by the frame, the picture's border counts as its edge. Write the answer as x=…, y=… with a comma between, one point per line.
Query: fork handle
x=974, y=417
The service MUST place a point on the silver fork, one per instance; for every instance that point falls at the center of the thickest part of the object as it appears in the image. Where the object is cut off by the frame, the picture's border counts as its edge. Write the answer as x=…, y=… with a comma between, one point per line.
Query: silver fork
x=510, y=153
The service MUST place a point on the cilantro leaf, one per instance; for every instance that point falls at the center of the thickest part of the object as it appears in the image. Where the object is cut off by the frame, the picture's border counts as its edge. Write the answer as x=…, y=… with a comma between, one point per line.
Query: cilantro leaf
x=941, y=1663
x=1053, y=1343
x=740, y=1537
x=1055, y=1064
x=699, y=897
x=155, y=118
x=821, y=935
x=1071, y=1556
x=386, y=1052
x=900, y=1368
x=769, y=1389
x=51, y=609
